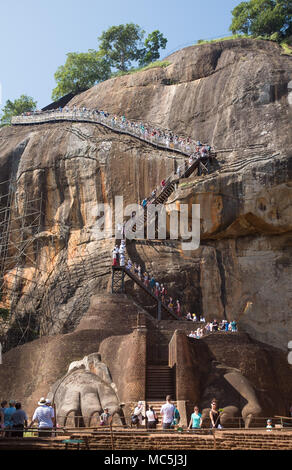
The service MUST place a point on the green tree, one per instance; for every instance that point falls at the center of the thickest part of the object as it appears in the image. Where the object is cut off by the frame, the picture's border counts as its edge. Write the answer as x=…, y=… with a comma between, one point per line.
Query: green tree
x=80, y=72
x=153, y=43
x=263, y=18
x=15, y=108
x=121, y=45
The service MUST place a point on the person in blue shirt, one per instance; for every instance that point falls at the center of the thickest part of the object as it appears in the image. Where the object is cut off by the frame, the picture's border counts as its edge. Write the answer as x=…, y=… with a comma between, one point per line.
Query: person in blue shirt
x=152, y=283
x=196, y=419
x=8, y=412
x=176, y=417
x=233, y=325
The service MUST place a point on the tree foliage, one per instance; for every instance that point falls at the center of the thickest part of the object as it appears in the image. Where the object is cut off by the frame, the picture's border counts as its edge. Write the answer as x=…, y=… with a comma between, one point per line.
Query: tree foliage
x=21, y=105
x=153, y=43
x=122, y=45
x=263, y=18
x=119, y=48
x=80, y=72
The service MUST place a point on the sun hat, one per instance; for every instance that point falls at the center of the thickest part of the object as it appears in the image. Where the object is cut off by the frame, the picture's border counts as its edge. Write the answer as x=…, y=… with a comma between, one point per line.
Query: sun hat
x=42, y=401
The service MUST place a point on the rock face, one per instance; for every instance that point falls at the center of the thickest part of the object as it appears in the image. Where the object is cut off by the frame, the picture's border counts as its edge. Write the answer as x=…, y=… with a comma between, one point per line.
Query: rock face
x=229, y=94
x=38, y=367
x=236, y=95
x=237, y=370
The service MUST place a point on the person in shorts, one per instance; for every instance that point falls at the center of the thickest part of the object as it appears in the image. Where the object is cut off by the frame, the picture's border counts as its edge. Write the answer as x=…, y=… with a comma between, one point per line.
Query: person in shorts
x=104, y=417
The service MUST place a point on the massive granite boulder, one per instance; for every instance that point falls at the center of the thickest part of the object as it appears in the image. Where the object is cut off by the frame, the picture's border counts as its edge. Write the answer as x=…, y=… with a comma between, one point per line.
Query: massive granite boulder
x=248, y=378
x=236, y=95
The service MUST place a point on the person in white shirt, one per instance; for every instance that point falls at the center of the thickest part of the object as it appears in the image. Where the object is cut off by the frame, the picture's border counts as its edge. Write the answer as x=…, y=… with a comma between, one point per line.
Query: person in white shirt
x=49, y=404
x=138, y=412
x=129, y=265
x=122, y=259
x=167, y=413
x=151, y=418
x=43, y=415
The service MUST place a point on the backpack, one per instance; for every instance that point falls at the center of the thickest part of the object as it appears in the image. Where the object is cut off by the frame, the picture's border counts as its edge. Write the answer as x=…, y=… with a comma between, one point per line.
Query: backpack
x=176, y=418
x=134, y=419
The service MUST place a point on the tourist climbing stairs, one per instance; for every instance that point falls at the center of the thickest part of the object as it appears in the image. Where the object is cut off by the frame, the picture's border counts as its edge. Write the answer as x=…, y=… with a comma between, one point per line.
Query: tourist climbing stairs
x=163, y=196
x=148, y=291
x=170, y=188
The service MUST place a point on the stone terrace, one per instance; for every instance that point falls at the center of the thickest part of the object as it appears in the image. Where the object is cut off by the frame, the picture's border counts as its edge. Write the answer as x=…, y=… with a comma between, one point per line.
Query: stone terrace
x=141, y=440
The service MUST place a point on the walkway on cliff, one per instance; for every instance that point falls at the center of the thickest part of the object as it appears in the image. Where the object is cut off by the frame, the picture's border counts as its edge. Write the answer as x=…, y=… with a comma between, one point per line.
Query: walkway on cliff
x=118, y=287
x=169, y=185
x=158, y=137
x=157, y=199
x=199, y=156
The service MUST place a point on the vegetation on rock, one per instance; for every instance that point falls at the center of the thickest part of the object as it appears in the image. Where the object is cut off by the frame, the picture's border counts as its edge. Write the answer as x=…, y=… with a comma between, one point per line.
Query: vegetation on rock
x=80, y=72
x=120, y=46
x=268, y=18
x=21, y=105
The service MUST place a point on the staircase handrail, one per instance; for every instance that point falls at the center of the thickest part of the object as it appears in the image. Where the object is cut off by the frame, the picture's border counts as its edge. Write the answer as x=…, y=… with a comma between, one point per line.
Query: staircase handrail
x=141, y=284
x=182, y=145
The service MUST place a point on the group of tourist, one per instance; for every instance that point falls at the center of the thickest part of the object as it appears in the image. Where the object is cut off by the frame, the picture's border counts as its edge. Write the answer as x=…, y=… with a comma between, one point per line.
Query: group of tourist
x=149, y=281
x=169, y=413
x=161, y=292
x=142, y=130
x=119, y=254
x=180, y=172
x=13, y=419
x=171, y=417
x=213, y=326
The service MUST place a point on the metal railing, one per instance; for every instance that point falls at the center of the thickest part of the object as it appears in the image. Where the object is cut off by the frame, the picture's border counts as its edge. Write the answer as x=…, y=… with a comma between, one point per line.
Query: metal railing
x=157, y=136
x=234, y=424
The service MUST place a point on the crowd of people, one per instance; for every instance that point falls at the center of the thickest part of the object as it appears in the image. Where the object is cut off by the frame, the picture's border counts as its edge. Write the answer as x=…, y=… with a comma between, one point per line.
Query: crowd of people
x=180, y=172
x=151, y=284
x=169, y=413
x=160, y=291
x=14, y=421
x=170, y=417
x=213, y=326
x=147, y=132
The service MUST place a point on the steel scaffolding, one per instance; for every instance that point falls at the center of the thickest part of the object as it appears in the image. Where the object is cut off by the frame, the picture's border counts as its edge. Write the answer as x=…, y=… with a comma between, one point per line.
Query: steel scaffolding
x=36, y=278
x=20, y=222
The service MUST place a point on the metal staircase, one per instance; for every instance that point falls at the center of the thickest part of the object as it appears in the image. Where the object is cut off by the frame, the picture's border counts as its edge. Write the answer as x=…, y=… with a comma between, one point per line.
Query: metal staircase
x=118, y=287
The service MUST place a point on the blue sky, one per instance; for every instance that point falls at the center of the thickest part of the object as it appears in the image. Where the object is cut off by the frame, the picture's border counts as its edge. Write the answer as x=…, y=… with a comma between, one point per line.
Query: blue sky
x=35, y=35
